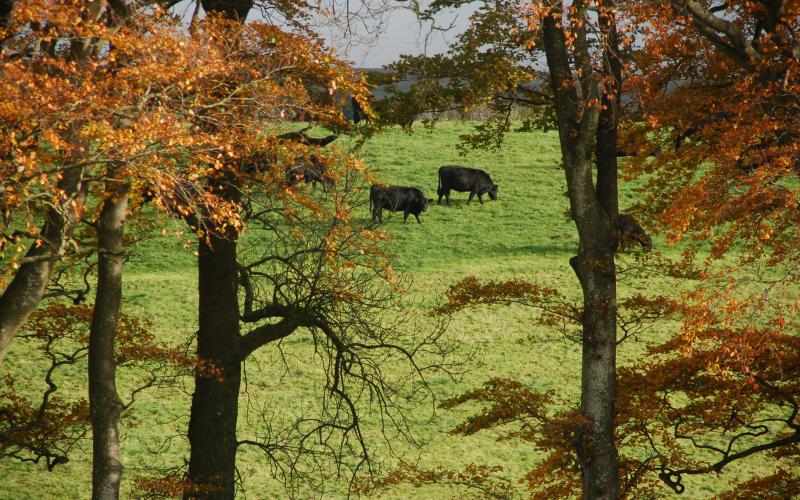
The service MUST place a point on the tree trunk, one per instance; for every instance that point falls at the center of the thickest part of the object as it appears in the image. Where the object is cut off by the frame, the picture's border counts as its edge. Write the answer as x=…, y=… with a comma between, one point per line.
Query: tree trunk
x=593, y=209
x=104, y=402
x=596, y=270
x=28, y=286
x=215, y=403
x=212, y=426
x=594, y=265
x=606, y=146
x=597, y=449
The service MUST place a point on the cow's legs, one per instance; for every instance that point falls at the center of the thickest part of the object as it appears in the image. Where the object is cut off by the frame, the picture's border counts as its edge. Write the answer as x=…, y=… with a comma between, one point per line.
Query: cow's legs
x=405, y=217
x=480, y=198
x=440, y=192
x=471, y=195
x=447, y=197
x=417, y=217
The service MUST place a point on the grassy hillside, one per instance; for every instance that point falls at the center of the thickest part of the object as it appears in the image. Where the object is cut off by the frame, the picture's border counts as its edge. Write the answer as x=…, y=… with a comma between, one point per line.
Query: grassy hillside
x=524, y=234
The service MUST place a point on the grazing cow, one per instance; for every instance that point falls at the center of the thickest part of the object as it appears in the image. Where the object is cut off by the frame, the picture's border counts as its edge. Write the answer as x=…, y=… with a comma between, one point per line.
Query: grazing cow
x=408, y=200
x=303, y=138
x=358, y=113
x=630, y=232
x=309, y=170
x=691, y=130
x=465, y=179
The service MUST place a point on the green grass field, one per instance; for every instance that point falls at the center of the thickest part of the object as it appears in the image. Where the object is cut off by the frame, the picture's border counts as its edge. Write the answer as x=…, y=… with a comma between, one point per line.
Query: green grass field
x=524, y=234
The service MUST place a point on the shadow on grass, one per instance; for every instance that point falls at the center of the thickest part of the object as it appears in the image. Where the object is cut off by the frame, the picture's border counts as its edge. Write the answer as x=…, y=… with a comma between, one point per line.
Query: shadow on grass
x=461, y=203
x=500, y=250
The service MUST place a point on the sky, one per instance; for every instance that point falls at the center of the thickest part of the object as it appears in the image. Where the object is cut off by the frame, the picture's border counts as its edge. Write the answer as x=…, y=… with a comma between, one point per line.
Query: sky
x=398, y=32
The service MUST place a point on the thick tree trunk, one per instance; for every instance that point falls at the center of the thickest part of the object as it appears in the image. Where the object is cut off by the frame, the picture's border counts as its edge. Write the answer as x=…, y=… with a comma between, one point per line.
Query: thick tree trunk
x=597, y=449
x=606, y=146
x=212, y=426
x=104, y=402
x=594, y=265
x=581, y=123
x=215, y=403
x=596, y=270
x=28, y=286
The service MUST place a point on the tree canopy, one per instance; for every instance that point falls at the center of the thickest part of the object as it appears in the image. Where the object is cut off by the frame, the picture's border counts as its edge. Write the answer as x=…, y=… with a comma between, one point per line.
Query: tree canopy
x=116, y=115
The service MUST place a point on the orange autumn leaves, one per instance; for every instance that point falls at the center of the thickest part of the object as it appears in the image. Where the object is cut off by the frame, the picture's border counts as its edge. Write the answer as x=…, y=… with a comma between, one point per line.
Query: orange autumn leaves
x=149, y=104
x=717, y=111
x=726, y=127
x=183, y=118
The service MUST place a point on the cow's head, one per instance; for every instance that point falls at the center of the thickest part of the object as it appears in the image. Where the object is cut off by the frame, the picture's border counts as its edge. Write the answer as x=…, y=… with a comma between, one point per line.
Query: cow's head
x=493, y=192
x=646, y=241
x=629, y=231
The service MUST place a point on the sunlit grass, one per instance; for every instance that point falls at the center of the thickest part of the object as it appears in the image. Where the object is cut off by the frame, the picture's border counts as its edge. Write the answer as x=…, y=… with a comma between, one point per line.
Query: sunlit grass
x=526, y=234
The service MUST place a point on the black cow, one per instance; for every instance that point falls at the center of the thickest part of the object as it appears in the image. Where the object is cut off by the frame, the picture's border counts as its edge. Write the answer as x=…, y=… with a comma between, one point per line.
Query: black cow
x=629, y=231
x=303, y=138
x=465, y=179
x=309, y=170
x=408, y=200
x=691, y=130
x=358, y=112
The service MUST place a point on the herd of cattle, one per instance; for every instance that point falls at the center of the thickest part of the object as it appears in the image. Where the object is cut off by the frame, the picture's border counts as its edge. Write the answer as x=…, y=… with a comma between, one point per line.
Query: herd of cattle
x=410, y=200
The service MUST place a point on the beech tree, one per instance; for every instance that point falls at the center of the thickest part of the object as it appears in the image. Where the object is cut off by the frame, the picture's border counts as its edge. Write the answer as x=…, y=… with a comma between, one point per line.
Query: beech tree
x=190, y=122
x=59, y=134
x=710, y=128
x=255, y=53
x=318, y=279
x=82, y=121
x=492, y=65
x=32, y=273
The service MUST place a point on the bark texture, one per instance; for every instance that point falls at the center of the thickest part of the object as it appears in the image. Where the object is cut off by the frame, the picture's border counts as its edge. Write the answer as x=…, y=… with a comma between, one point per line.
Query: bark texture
x=597, y=449
x=593, y=208
x=104, y=401
x=215, y=402
x=28, y=286
x=212, y=425
x=606, y=146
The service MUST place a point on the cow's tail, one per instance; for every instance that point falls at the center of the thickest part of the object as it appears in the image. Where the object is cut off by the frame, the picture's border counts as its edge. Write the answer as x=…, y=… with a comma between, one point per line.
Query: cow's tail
x=439, y=189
